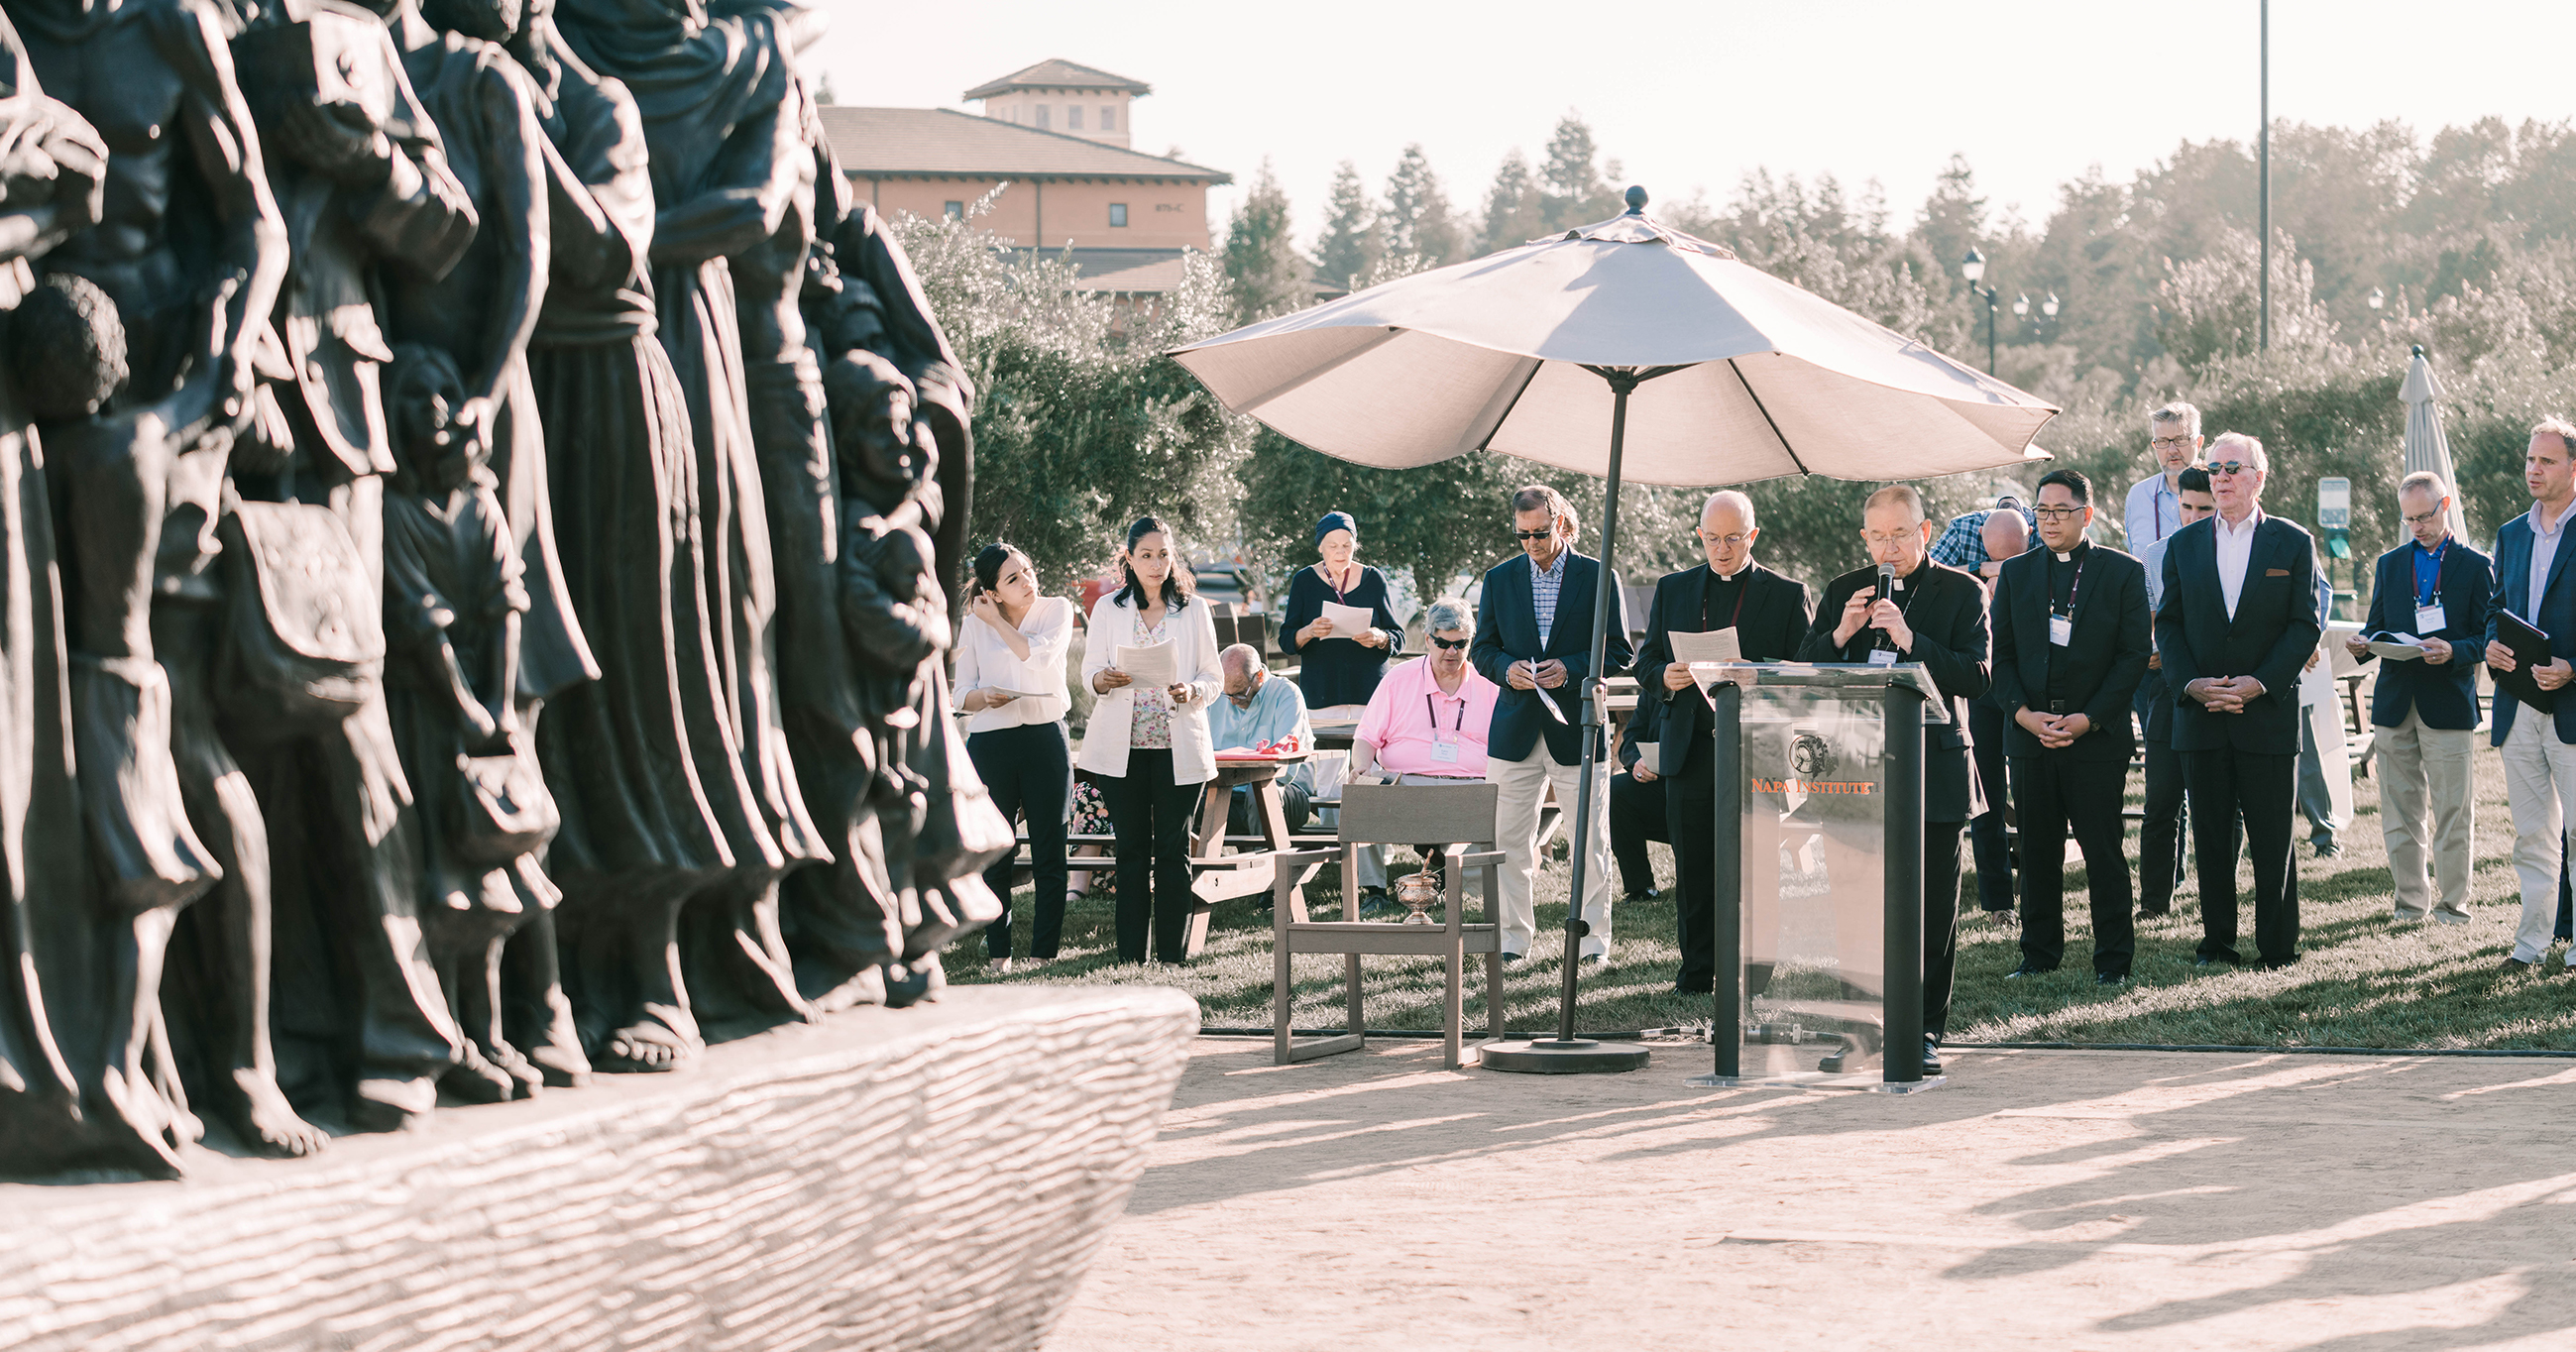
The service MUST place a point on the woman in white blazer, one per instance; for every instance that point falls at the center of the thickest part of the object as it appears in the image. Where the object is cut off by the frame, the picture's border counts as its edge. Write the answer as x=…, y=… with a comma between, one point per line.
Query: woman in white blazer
x=1011, y=695
x=1149, y=746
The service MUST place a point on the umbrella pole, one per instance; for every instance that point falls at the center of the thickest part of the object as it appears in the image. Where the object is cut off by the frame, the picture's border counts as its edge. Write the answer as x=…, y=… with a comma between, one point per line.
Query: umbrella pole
x=1566, y=1053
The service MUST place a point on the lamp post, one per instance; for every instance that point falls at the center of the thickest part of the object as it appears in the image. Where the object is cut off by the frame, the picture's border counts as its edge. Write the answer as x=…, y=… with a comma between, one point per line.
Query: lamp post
x=2047, y=308
x=1973, y=267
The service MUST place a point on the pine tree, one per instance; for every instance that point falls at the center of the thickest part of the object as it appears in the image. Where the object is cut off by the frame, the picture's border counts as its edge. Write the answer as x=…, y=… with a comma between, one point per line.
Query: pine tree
x=1262, y=267
x=1416, y=218
x=1571, y=189
x=1954, y=219
x=1511, y=207
x=1350, y=243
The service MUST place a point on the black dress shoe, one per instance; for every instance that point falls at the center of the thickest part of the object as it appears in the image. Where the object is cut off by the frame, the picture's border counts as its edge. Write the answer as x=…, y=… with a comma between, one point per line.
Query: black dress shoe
x=2110, y=978
x=2026, y=969
x=2203, y=960
x=2517, y=965
x=2154, y=912
x=1931, y=1053
x=1511, y=957
x=1650, y=894
x=1687, y=988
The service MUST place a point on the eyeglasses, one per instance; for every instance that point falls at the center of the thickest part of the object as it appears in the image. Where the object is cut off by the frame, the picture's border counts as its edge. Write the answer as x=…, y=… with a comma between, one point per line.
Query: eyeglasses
x=2057, y=513
x=1890, y=537
x=1549, y=534
x=2232, y=467
x=2171, y=443
x=1452, y=644
x=1736, y=541
x=2426, y=519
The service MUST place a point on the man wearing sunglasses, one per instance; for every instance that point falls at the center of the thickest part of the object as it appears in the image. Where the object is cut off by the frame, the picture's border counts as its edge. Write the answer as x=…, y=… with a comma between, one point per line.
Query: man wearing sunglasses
x=1934, y=615
x=2237, y=623
x=2435, y=590
x=1534, y=640
x=2154, y=509
x=1769, y=615
x=2070, y=627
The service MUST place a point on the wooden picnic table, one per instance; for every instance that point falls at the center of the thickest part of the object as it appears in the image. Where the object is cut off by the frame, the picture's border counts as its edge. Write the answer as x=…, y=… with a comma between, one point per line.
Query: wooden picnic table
x=1219, y=876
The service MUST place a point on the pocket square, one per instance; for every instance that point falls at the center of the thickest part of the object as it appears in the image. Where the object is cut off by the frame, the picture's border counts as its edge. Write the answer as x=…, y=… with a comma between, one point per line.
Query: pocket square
x=2276, y=572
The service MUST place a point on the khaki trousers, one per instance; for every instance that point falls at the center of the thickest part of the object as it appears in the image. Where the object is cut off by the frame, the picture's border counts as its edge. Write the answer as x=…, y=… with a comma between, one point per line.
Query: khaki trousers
x=2425, y=805
x=1523, y=783
x=2539, y=774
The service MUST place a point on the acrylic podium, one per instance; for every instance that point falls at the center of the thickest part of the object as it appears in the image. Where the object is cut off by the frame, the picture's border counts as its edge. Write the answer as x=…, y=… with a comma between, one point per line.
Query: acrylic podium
x=1819, y=863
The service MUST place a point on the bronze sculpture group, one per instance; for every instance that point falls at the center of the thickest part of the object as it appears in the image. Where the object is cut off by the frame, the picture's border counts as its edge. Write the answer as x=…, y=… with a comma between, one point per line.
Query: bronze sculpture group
x=476, y=490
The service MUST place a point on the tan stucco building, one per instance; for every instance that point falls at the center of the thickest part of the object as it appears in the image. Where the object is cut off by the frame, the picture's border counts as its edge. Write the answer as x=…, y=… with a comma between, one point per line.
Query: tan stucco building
x=1054, y=139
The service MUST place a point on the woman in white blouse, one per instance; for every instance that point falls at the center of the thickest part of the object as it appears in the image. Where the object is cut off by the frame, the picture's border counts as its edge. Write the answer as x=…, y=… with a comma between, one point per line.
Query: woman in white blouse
x=1010, y=686
x=1148, y=746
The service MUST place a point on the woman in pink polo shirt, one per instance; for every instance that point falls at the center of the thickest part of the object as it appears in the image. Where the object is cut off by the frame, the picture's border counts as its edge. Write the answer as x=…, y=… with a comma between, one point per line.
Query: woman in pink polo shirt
x=1426, y=722
x=1428, y=717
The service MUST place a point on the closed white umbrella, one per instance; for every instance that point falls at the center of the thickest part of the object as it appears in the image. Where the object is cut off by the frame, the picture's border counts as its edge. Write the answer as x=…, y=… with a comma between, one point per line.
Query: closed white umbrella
x=2426, y=447
x=1719, y=373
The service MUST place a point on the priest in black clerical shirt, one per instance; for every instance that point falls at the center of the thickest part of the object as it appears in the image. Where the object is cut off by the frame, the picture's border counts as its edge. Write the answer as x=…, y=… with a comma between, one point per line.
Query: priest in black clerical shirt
x=1937, y=617
x=2071, y=641
x=1768, y=613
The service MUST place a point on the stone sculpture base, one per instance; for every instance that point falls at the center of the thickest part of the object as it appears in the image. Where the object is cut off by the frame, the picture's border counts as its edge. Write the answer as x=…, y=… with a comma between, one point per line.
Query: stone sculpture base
x=934, y=1177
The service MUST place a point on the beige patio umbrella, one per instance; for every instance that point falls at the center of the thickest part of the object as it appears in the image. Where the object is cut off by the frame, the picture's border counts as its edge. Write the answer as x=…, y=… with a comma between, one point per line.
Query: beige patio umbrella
x=1719, y=373
x=2426, y=447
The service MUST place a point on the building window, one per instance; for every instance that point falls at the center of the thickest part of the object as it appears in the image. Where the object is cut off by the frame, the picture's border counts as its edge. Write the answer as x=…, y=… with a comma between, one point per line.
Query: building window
x=1073, y=117
x=1109, y=118
x=955, y=211
x=1040, y=121
x=1117, y=214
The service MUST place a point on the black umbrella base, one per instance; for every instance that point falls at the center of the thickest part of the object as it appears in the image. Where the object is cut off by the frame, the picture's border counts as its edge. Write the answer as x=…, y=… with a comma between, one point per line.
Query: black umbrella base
x=1568, y=1056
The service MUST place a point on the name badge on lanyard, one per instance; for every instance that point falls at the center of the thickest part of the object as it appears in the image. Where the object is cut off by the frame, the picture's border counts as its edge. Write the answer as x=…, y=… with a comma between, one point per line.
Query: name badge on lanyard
x=2061, y=630
x=1881, y=657
x=1444, y=749
x=2428, y=620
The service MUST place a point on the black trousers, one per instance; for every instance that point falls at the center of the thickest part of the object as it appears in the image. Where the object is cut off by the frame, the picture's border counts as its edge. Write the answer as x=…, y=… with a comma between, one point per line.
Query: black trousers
x=1986, y=838
x=1690, y=822
x=2054, y=792
x=2160, y=835
x=1029, y=772
x=2263, y=791
x=1151, y=818
x=1940, y=922
x=1636, y=816
x=1296, y=808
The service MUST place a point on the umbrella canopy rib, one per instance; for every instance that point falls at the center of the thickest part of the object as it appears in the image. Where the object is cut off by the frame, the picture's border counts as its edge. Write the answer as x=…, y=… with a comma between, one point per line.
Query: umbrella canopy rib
x=1767, y=419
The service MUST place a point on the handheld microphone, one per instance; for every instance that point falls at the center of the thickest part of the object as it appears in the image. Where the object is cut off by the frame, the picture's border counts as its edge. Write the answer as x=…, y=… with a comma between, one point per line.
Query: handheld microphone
x=1886, y=590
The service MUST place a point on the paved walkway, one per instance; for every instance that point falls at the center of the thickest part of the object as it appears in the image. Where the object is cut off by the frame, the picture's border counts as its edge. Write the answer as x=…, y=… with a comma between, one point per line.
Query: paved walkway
x=2040, y=1200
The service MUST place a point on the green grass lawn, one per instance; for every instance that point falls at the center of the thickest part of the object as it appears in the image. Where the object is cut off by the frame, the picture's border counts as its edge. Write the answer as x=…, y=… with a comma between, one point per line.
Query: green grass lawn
x=2365, y=979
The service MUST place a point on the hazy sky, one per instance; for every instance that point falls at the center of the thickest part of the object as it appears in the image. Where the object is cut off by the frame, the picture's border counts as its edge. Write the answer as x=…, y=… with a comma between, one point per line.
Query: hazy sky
x=1689, y=96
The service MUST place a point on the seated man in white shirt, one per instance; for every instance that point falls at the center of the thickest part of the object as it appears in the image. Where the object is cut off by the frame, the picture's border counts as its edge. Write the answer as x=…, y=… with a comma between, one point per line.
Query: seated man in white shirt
x=1258, y=709
x=1427, y=722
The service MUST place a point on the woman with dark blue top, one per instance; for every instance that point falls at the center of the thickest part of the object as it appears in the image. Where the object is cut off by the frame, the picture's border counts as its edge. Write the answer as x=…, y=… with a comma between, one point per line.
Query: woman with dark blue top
x=1338, y=668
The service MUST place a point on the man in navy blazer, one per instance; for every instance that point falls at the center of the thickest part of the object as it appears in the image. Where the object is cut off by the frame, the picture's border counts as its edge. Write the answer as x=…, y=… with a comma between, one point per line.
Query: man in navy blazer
x=1534, y=639
x=2238, y=623
x=2534, y=582
x=1768, y=613
x=2435, y=588
x=2070, y=635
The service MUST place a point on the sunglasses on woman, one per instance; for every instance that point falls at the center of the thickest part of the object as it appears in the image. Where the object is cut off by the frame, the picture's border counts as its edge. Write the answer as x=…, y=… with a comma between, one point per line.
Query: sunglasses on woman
x=1452, y=644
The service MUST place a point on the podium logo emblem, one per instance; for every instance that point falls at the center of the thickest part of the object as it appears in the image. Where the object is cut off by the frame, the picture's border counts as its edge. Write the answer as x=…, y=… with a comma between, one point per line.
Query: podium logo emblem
x=1811, y=756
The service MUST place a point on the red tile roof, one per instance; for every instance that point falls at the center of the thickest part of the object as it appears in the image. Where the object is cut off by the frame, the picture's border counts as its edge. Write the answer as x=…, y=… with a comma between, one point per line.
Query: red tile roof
x=940, y=142
x=1058, y=73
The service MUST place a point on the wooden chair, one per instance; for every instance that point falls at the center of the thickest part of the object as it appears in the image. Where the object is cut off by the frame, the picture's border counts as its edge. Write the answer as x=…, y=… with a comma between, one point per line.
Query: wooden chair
x=1374, y=814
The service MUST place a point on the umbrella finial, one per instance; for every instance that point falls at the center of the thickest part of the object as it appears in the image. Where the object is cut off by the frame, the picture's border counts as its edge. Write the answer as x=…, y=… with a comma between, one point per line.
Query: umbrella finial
x=1636, y=201
x=2419, y=349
